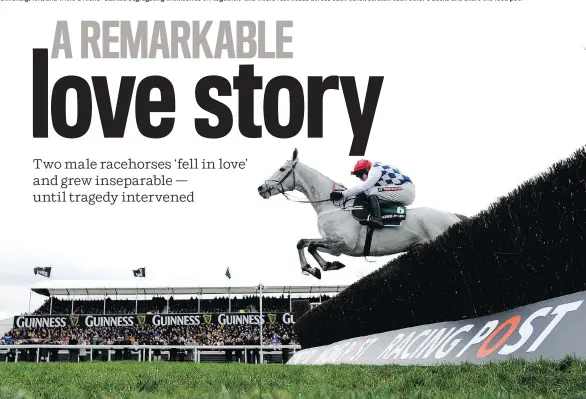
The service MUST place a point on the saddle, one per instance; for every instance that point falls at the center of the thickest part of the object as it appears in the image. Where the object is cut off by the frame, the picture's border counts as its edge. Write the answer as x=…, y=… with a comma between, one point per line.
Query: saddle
x=393, y=214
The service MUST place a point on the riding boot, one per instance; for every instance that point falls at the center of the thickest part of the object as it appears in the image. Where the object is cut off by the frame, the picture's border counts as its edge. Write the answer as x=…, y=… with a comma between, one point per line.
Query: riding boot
x=376, y=221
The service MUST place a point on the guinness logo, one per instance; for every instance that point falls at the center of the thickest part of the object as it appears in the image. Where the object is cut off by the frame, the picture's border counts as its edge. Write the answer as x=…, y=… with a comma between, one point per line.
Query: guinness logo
x=74, y=320
x=272, y=318
x=141, y=318
x=207, y=318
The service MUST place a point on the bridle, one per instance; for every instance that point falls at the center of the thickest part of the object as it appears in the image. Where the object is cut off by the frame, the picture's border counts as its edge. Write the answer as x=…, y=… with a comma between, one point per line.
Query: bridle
x=282, y=189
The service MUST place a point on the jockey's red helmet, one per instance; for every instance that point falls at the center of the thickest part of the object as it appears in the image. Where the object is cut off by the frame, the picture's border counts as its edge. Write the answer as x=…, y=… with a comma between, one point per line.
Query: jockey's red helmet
x=361, y=166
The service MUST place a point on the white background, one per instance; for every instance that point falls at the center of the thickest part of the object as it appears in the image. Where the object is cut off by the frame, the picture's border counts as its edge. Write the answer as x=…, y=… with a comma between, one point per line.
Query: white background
x=477, y=98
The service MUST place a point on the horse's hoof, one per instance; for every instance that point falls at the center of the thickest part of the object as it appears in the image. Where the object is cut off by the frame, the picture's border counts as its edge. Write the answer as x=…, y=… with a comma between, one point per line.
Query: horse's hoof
x=311, y=271
x=316, y=273
x=335, y=265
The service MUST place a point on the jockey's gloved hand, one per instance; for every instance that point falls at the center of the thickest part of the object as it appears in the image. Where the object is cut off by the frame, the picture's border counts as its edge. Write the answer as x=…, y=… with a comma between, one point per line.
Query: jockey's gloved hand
x=336, y=195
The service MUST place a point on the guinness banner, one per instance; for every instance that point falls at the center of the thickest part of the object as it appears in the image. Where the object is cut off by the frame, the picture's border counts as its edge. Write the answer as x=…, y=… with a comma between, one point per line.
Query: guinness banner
x=158, y=320
x=550, y=329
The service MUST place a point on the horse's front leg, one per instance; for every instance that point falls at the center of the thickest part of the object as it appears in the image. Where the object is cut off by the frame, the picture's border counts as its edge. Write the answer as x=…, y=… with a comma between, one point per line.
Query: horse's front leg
x=330, y=246
x=305, y=267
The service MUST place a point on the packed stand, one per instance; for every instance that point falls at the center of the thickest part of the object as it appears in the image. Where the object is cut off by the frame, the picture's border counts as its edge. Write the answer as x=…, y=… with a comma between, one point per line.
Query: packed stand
x=203, y=334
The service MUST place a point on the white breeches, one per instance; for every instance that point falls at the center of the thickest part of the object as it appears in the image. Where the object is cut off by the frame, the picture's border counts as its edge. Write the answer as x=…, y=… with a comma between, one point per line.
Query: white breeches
x=403, y=194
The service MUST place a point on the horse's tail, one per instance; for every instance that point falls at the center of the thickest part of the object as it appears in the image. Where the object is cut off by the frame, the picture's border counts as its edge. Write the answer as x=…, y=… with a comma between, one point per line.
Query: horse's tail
x=462, y=217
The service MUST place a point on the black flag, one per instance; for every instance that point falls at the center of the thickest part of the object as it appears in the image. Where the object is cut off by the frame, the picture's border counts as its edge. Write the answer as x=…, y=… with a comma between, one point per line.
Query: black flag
x=43, y=271
x=139, y=272
x=228, y=273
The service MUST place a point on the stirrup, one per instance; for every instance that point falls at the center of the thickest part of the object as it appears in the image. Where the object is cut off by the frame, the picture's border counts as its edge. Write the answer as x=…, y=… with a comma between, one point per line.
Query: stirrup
x=376, y=224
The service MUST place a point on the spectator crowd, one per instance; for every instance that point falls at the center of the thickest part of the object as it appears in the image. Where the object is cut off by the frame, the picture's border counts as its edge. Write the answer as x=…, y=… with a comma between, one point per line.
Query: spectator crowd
x=147, y=334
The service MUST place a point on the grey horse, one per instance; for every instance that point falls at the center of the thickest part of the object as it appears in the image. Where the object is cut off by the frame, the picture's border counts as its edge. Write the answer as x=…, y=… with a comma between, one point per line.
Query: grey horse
x=341, y=233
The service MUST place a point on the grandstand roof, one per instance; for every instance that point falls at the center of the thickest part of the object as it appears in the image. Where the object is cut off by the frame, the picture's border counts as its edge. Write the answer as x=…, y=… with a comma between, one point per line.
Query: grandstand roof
x=129, y=290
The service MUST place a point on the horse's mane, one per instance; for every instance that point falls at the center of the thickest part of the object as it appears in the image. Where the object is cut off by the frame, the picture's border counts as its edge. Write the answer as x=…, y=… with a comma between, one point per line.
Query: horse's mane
x=321, y=174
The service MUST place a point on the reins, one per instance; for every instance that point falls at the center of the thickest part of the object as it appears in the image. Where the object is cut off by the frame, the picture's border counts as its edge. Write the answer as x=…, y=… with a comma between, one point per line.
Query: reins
x=306, y=201
x=281, y=190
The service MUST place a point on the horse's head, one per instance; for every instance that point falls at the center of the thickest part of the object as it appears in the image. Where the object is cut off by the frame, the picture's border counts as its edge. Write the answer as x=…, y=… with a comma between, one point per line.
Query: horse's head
x=281, y=181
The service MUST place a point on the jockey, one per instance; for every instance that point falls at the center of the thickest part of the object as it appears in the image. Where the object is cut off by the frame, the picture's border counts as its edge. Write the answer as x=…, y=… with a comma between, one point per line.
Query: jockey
x=379, y=182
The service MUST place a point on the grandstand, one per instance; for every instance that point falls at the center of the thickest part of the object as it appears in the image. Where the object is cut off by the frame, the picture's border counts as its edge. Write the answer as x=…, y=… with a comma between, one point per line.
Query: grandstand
x=140, y=317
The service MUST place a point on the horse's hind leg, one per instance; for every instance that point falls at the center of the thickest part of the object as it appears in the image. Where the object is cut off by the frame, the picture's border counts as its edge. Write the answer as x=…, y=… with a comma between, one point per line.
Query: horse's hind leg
x=332, y=247
x=305, y=268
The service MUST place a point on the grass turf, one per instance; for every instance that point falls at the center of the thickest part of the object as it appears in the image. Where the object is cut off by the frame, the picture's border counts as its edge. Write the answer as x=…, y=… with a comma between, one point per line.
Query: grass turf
x=190, y=380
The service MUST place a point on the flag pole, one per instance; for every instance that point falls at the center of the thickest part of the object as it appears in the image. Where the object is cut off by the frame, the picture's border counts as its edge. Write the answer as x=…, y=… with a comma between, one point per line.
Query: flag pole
x=51, y=295
x=261, y=323
x=227, y=274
